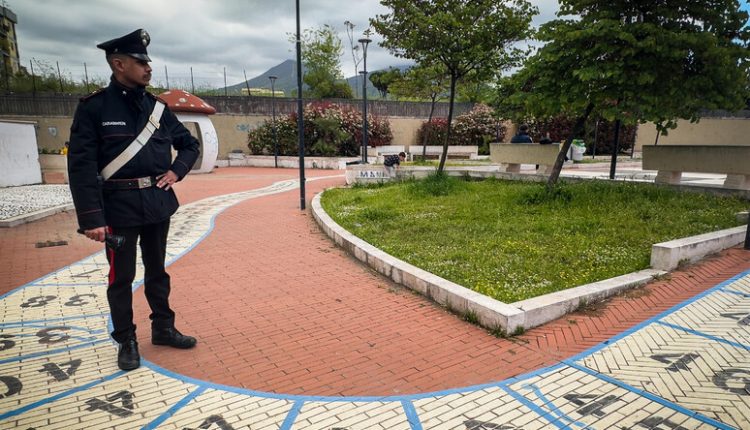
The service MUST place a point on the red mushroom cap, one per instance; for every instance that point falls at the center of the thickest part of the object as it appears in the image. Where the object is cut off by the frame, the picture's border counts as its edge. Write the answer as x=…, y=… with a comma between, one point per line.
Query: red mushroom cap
x=183, y=101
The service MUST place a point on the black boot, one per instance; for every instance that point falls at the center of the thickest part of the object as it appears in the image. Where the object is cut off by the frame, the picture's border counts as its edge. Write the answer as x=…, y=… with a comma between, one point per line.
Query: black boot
x=171, y=337
x=127, y=355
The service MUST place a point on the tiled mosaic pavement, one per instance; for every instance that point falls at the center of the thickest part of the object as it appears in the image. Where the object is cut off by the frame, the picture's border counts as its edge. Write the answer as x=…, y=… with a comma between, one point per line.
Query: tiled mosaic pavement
x=688, y=368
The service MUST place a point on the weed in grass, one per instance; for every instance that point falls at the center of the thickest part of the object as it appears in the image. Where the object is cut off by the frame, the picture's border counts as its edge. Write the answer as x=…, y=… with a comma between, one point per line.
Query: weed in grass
x=519, y=331
x=471, y=317
x=374, y=214
x=435, y=184
x=544, y=195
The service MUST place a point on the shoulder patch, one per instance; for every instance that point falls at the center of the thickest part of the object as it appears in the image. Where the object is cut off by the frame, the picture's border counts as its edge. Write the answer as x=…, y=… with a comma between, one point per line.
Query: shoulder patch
x=99, y=91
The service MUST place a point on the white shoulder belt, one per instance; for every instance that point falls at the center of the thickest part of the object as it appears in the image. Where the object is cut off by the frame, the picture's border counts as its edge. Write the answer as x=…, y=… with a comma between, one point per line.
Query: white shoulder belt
x=136, y=145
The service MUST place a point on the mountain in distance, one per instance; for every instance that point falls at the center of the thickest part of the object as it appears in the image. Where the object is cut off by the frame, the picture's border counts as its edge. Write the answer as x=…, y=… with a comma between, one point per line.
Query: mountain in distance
x=286, y=73
x=286, y=80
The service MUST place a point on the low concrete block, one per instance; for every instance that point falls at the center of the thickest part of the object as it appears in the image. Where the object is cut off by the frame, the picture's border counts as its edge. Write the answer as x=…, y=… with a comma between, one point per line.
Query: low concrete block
x=669, y=255
x=539, y=310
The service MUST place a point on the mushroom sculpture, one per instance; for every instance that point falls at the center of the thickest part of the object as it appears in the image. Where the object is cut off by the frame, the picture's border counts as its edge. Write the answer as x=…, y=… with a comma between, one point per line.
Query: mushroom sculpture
x=191, y=109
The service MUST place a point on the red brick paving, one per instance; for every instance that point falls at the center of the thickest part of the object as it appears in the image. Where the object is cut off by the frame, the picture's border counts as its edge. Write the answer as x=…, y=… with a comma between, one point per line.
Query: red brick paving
x=277, y=307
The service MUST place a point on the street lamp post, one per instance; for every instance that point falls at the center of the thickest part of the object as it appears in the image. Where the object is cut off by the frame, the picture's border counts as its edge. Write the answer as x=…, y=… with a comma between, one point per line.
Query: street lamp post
x=364, y=41
x=300, y=112
x=273, y=118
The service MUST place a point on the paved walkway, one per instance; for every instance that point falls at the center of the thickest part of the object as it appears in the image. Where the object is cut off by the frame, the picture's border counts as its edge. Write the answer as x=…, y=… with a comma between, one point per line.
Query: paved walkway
x=294, y=333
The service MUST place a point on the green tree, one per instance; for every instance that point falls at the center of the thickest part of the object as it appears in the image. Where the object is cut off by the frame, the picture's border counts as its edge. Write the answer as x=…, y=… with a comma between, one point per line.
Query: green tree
x=634, y=62
x=475, y=37
x=382, y=79
x=321, y=56
x=423, y=82
x=475, y=91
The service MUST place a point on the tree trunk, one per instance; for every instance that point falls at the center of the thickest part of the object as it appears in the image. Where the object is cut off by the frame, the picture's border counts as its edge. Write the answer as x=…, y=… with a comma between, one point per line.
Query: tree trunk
x=577, y=129
x=454, y=78
x=615, y=150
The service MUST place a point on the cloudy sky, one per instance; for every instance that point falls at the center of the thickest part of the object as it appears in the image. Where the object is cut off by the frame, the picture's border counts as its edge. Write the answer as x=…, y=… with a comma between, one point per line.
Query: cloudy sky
x=207, y=35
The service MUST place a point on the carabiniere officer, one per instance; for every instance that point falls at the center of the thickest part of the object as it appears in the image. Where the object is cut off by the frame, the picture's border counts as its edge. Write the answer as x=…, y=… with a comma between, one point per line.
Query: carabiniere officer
x=121, y=176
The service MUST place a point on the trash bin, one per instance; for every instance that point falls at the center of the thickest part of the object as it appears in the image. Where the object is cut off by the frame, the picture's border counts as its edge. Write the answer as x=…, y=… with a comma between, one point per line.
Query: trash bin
x=577, y=148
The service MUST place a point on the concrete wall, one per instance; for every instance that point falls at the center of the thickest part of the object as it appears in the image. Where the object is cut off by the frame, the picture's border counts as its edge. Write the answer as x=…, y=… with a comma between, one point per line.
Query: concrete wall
x=19, y=161
x=53, y=132
x=232, y=131
x=708, y=131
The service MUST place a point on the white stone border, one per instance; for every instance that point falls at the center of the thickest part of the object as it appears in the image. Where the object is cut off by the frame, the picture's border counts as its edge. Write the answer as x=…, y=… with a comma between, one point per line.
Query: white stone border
x=33, y=216
x=494, y=314
x=669, y=255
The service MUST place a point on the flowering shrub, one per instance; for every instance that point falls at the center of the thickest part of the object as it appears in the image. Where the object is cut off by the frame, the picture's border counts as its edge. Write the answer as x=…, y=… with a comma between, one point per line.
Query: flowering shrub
x=478, y=127
x=330, y=130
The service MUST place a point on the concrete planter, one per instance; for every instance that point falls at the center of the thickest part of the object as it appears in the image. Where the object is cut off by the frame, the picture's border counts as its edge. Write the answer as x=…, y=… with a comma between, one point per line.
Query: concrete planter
x=54, y=168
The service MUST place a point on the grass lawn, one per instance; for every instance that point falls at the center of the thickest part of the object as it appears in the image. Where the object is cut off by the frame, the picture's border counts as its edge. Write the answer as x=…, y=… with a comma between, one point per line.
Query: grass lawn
x=515, y=240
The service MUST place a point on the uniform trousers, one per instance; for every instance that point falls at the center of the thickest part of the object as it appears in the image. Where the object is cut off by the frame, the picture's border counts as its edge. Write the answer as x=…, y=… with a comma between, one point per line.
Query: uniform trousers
x=153, y=243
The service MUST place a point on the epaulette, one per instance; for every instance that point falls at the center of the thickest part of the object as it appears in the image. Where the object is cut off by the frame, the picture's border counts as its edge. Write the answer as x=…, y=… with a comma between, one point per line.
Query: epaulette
x=99, y=91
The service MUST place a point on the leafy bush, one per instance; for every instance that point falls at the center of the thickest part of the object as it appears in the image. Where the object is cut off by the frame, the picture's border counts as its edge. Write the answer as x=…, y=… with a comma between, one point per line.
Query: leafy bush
x=330, y=130
x=478, y=127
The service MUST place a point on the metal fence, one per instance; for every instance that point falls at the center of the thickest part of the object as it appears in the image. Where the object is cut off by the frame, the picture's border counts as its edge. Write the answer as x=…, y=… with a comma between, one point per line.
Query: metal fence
x=65, y=105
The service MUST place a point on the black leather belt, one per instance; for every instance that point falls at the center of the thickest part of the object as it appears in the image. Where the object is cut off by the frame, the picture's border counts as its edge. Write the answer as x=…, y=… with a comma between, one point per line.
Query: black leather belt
x=130, y=184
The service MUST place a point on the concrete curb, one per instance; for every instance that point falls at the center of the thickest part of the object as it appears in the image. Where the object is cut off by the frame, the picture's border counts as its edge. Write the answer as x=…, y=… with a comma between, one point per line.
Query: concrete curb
x=33, y=216
x=493, y=314
x=669, y=255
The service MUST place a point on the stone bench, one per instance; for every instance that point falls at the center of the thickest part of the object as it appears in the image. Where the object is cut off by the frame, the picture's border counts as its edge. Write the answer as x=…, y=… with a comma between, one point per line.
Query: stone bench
x=512, y=155
x=379, y=151
x=470, y=152
x=672, y=160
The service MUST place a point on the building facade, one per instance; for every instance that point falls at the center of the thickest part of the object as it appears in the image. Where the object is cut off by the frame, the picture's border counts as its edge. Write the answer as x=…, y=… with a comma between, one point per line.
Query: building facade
x=8, y=42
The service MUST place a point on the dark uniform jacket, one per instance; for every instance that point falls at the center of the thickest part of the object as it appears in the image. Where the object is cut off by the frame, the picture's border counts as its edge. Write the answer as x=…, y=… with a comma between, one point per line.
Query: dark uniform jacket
x=521, y=138
x=104, y=125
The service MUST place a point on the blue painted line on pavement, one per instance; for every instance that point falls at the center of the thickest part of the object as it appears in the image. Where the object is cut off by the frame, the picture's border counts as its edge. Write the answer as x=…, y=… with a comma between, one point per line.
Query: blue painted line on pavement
x=538, y=410
x=705, y=335
x=54, y=351
x=553, y=410
x=60, y=396
x=738, y=293
x=411, y=415
x=652, y=397
x=67, y=285
x=49, y=275
x=76, y=317
x=176, y=407
x=656, y=318
x=292, y=415
x=308, y=398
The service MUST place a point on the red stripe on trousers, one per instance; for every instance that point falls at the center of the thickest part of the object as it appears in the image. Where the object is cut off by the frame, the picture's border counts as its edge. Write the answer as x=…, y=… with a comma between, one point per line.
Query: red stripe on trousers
x=111, y=260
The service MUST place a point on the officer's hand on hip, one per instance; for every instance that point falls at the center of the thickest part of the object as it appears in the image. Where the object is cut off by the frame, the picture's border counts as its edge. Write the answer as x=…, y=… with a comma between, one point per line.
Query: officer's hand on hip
x=96, y=234
x=166, y=180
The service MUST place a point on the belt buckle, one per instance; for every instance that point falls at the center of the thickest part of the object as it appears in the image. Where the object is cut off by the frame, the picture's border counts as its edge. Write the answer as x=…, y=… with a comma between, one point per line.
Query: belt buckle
x=154, y=122
x=144, y=182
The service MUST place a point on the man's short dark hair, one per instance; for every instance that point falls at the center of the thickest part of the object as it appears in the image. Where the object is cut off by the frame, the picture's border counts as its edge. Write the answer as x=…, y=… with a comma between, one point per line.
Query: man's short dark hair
x=524, y=128
x=402, y=154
